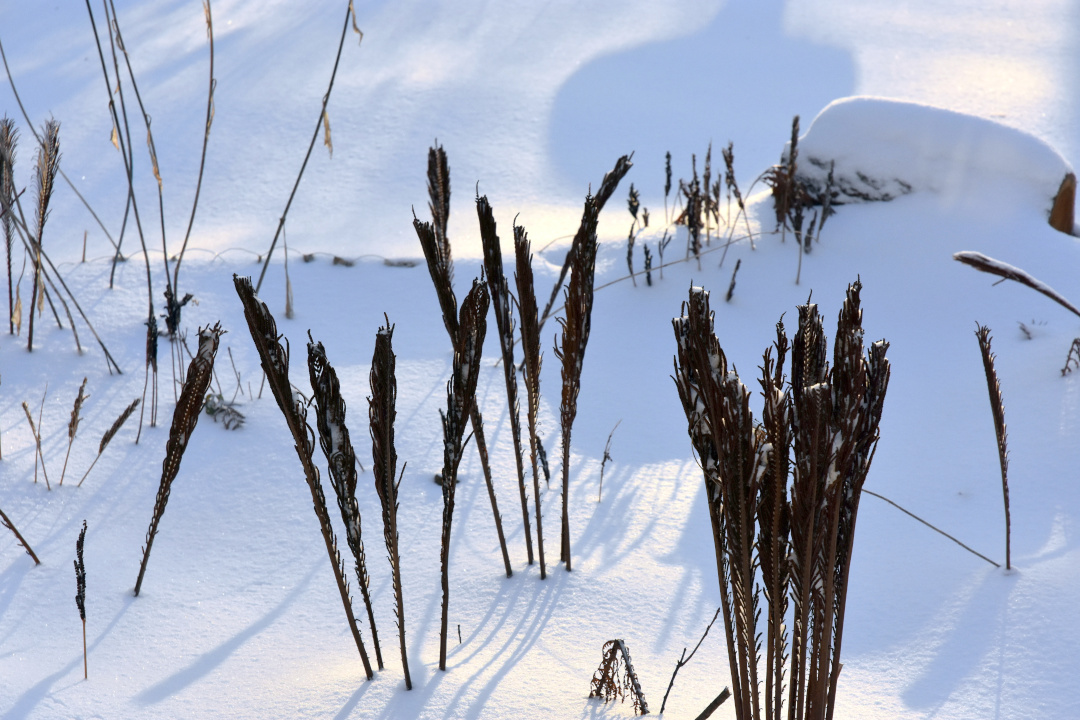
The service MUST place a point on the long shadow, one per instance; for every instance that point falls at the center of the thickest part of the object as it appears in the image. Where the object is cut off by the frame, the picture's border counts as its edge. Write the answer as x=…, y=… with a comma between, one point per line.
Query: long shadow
x=211, y=659
x=739, y=78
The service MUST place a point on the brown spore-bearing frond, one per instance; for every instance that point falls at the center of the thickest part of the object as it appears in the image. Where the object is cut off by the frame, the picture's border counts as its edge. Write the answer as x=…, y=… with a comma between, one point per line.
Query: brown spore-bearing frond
x=275, y=363
x=439, y=199
x=531, y=362
x=185, y=416
x=382, y=413
x=616, y=678
x=997, y=409
x=341, y=459
x=48, y=162
x=9, y=135
x=460, y=400
x=441, y=269
x=500, y=301
x=593, y=205
x=575, y=337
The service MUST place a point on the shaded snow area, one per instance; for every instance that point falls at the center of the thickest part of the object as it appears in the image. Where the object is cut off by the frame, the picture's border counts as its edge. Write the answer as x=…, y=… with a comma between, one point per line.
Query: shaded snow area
x=239, y=615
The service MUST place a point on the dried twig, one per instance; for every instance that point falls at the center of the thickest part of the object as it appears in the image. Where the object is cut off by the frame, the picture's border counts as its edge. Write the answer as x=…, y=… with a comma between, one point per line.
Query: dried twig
x=604, y=462
x=683, y=660
x=996, y=267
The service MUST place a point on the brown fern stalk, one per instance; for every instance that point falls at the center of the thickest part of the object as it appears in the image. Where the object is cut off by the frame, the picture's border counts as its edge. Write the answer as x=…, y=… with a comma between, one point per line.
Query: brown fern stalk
x=73, y=426
x=382, y=413
x=607, y=188
x=6, y=522
x=460, y=397
x=440, y=264
x=9, y=136
x=616, y=678
x=531, y=361
x=575, y=337
x=275, y=363
x=185, y=416
x=500, y=301
x=997, y=409
x=108, y=436
x=341, y=459
x=48, y=161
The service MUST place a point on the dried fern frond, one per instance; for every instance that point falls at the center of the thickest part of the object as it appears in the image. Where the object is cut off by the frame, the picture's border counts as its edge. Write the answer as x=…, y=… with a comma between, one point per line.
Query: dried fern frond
x=575, y=336
x=616, y=678
x=500, y=301
x=341, y=459
x=6, y=522
x=531, y=362
x=275, y=363
x=48, y=162
x=997, y=409
x=439, y=200
x=37, y=444
x=185, y=416
x=9, y=137
x=460, y=399
x=382, y=412
x=441, y=269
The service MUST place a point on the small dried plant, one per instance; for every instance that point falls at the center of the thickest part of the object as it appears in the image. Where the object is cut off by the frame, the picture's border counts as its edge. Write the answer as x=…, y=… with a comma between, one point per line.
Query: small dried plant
x=500, y=301
x=1072, y=360
x=575, y=336
x=108, y=436
x=615, y=678
x=382, y=413
x=185, y=416
x=997, y=409
x=73, y=425
x=341, y=459
x=6, y=522
x=532, y=359
x=224, y=411
x=275, y=363
x=460, y=397
x=80, y=592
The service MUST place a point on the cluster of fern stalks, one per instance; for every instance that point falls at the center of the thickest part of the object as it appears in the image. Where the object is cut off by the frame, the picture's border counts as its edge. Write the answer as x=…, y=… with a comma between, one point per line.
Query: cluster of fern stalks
x=783, y=496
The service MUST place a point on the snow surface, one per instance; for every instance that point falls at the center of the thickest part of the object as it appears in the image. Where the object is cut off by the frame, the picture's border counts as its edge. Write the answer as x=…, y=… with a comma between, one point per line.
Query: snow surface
x=239, y=615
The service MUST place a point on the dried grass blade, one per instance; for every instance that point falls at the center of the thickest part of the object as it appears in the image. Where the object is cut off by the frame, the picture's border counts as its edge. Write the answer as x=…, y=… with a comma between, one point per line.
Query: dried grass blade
x=108, y=436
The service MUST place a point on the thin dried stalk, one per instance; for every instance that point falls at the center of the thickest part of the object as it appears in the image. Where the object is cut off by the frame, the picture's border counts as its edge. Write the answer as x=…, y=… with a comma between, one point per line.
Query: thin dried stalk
x=382, y=413
x=9, y=136
x=607, y=189
x=531, y=361
x=311, y=146
x=575, y=336
x=185, y=416
x=460, y=398
x=48, y=161
x=341, y=459
x=275, y=363
x=37, y=442
x=997, y=409
x=996, y=267
x=73, y=426
x=108, y=436
x=6, y=522
x=500, y=301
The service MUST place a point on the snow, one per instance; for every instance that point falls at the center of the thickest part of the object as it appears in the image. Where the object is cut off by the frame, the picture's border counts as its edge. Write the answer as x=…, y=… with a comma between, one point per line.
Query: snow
x=239, y=615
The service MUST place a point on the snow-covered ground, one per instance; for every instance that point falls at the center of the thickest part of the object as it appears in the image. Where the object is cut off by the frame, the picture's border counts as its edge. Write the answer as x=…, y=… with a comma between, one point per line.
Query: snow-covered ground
x=239, y=615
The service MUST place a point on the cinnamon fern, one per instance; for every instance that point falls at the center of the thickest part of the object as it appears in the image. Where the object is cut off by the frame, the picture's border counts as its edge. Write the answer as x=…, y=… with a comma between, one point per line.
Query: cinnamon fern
x=185, y=416
x=275, y=363
x=382, y=413
x=500, y=301
x=460, y=398
x=532, y=358
x=341, y=459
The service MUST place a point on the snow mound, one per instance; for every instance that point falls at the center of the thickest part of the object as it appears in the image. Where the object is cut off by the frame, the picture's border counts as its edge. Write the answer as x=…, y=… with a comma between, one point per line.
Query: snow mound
x=880, y=149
